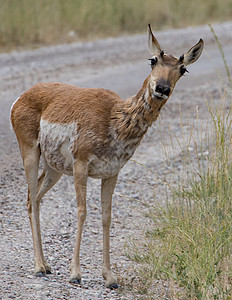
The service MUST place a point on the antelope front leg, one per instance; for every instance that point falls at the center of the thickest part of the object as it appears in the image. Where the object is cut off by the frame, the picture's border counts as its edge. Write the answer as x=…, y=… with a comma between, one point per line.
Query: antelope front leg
x=107, y=190
x=80, y=180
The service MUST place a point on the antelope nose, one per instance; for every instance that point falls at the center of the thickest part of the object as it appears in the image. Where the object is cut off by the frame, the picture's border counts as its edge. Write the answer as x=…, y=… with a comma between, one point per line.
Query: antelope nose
x=163, y=89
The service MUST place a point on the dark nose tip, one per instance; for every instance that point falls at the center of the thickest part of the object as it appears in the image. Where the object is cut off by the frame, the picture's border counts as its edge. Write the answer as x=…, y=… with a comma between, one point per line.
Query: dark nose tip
x=163, y=89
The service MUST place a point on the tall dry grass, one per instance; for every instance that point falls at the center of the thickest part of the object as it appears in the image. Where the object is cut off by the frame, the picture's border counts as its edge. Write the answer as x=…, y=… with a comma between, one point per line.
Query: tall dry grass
x=29, y=22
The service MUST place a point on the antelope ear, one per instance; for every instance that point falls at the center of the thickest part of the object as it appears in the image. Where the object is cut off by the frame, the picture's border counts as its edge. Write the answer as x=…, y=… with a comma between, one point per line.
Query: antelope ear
x=194, y=53
x=153, y=44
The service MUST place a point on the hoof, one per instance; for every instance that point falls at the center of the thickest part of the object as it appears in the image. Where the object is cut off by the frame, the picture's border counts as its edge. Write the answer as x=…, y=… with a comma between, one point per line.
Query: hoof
x=75, y=281
x=113, y=286
x=40, y=274
x=43, y=273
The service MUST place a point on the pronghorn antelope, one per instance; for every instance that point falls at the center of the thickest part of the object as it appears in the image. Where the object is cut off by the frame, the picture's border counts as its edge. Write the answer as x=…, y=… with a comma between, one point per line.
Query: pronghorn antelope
x=88, y=132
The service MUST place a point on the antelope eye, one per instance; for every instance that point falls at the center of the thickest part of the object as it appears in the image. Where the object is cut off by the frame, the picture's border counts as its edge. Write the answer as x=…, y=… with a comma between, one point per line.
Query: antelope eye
x=183, y=70
x=153, y=61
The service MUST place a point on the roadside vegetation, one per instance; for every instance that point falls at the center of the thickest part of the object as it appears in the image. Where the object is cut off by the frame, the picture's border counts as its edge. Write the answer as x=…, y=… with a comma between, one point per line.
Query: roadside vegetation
x=189, y=242
x=29, y=23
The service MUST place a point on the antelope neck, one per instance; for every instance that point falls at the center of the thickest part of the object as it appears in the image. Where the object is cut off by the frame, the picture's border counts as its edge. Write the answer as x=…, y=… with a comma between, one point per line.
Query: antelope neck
x=133, y=117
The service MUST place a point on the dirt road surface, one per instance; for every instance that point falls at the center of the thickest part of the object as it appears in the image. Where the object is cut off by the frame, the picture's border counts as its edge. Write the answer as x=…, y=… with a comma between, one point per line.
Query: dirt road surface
x=120, y=65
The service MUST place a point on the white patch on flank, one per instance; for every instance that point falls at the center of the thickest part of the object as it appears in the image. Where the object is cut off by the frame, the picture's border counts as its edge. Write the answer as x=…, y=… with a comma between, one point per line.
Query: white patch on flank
x=56, y=143
x=11, y=112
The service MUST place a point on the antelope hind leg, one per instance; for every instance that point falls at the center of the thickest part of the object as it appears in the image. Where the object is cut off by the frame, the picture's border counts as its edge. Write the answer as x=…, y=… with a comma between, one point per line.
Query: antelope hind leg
x=46, y=181
x=80, y=181
x=31, y=156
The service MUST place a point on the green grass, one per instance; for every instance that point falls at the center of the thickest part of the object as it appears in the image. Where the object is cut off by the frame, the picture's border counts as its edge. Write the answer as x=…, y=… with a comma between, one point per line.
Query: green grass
x=189, y=243
x=29, y=23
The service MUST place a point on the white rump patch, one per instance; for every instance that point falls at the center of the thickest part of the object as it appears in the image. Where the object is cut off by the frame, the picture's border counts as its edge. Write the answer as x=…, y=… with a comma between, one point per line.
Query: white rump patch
x=11, y=112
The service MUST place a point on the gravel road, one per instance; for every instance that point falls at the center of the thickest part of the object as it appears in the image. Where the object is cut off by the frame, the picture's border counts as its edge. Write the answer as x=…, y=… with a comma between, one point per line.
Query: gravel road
x=121, y=65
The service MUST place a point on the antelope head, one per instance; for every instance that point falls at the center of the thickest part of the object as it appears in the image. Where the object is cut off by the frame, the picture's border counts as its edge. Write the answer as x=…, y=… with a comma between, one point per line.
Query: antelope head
x=167, y=69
